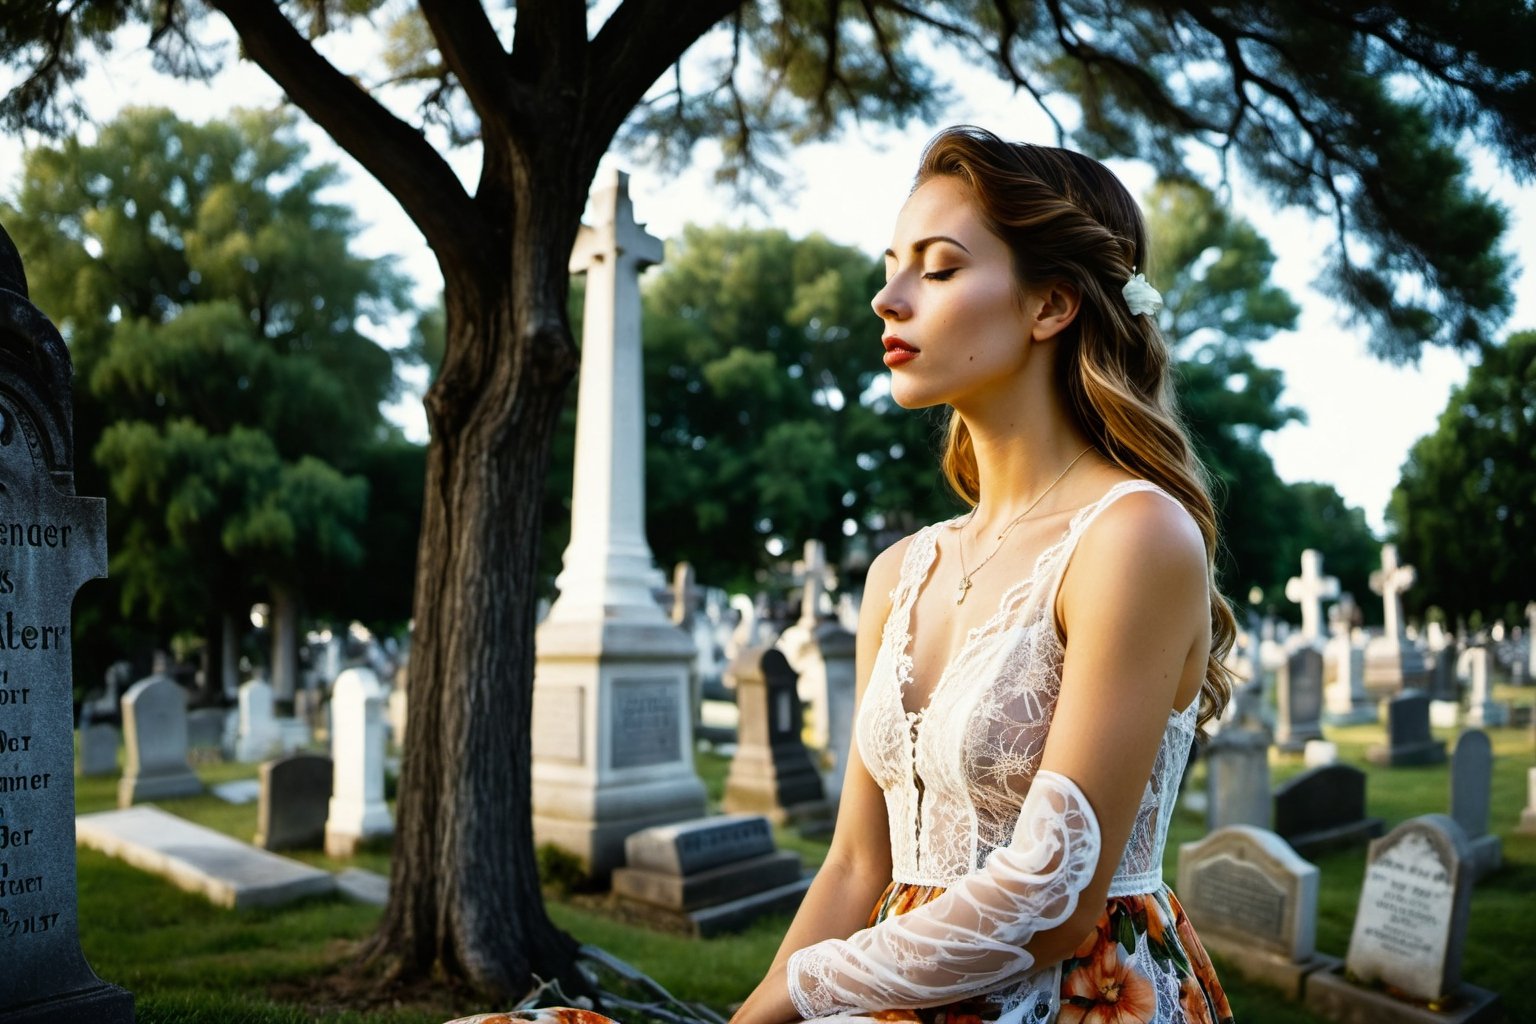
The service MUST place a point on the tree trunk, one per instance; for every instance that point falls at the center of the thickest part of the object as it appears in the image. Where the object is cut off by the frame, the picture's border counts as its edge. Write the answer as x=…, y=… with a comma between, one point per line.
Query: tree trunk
x=465, y=901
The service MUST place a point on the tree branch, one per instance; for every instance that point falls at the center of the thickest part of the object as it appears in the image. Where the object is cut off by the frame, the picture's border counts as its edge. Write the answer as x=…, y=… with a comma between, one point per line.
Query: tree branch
x=635, y=47
x=388, y=148
x=467, y=40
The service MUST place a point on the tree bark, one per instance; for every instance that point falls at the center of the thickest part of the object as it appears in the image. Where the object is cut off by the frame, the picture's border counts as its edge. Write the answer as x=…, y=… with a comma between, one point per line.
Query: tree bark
x=464, y=887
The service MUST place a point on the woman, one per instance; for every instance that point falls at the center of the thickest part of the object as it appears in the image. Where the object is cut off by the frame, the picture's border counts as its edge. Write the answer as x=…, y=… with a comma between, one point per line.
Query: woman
x=1031, y=673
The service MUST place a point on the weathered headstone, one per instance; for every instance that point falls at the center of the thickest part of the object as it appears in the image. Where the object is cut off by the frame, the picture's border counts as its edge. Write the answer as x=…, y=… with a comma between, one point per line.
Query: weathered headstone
x=357, y=812
x=1410, y=929
x=1527, y=824
x=711, y=875
x=612, y=726
x=257, y=739
x=1237, y=779
x=1482, y=710
x=155, y=735
x=1409, y=741
x=1310, y=590
x=1392, y=663
x=1471, y=793
x=821, y=653
x=53, y=543
x=1299, y=696
x=205, y=734
x=771, y=773
x=1323, y=809
x=295, y=799
x=98, y=749
x=1254, y=902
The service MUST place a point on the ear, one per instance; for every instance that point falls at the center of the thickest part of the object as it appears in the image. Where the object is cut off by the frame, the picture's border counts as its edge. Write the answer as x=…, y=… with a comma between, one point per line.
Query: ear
x=1054, y=306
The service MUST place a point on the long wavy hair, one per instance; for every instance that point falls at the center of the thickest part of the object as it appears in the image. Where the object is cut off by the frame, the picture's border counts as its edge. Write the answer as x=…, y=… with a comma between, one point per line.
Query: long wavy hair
x=1066, y=217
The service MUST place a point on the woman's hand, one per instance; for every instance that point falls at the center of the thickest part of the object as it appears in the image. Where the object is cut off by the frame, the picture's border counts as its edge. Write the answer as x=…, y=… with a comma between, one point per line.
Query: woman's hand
x=769, y=1003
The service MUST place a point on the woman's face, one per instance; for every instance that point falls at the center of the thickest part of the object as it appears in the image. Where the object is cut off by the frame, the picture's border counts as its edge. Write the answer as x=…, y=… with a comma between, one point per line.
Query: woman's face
x=956, y=325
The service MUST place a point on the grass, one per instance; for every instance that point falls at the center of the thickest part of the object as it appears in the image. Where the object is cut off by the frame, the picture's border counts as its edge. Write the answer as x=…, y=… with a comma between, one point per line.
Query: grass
x=188, y=962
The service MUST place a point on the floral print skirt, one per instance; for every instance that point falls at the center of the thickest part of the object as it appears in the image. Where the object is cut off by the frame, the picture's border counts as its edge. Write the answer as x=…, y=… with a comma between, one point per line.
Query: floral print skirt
x=1142, y=964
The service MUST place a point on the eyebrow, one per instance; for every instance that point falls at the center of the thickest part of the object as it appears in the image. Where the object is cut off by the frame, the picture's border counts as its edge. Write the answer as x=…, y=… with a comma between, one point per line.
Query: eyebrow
x=924, y=243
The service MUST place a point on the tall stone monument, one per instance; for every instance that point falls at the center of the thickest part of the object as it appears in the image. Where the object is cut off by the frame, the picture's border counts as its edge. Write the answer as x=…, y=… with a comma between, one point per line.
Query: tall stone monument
x=1310, y=590
x=1392, y=663
x=53, y=542
x=612, y=732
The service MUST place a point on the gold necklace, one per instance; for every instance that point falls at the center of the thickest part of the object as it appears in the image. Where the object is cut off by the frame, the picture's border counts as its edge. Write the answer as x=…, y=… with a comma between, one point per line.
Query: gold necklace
x=965, y=577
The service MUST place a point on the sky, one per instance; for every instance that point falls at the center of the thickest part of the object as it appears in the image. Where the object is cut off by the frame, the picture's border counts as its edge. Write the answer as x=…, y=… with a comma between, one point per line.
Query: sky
x=1362, y=415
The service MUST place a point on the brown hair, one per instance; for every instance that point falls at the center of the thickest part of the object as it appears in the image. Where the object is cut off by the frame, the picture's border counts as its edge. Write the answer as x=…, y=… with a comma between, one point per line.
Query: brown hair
x=1066, y=217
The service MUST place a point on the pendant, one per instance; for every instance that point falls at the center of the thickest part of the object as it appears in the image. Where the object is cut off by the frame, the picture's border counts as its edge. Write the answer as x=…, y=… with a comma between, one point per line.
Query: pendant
x=960, y=591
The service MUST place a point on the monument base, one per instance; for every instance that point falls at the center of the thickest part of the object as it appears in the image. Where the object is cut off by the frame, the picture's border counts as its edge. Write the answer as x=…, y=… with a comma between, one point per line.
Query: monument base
x=1266, y=968
x=598, y=842
x=103, y=1004
x=1331, y=996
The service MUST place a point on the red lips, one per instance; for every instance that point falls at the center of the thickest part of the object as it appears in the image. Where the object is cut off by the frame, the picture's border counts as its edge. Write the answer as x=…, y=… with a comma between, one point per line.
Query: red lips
x=898, y=352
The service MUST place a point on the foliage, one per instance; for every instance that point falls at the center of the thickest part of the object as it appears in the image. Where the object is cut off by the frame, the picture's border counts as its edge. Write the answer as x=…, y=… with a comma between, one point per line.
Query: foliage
x=1464, y=510
x=227, y=399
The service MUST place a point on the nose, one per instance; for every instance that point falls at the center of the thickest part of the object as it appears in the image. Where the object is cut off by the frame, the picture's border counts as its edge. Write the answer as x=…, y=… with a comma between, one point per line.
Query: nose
x=889, y=304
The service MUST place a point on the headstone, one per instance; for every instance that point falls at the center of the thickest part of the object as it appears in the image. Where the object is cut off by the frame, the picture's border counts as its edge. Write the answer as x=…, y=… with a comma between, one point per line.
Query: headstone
x=357, y=812
x=1310, y=590
x=1482, y=710
x=612, y=724
x=1299, y=694
x=1410, y=929
x=295, y=799
x=1409, y=741
x=155, y=735
x=1471, y=792
x=711, y=875
x=1527, y=824
x=1444, y=684
x=1254, y=902
x=1323, y=809
x=1346, y=698
x=1237, y=779
x=821, y=653
x=205, y=734
x=53, y=543
x=98, y=750
x=1392, y=663
x=257, y=739
x=771, y=773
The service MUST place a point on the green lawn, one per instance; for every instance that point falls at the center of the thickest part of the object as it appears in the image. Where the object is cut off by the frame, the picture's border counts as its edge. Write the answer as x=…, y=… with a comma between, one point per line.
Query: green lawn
x=188, y=962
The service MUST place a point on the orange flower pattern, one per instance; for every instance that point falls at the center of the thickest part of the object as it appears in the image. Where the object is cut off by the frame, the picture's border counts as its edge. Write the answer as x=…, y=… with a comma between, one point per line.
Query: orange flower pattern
x=1107, y=979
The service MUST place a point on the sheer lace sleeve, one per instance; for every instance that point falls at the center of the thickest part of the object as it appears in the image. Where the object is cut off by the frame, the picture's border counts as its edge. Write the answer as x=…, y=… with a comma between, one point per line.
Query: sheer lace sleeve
x=970, y=940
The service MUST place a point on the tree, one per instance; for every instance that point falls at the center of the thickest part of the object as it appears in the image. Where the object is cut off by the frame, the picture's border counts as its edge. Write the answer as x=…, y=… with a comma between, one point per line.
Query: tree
x=1464, y=510
x=768, y=417
x=212, y=308
x=1341, y=105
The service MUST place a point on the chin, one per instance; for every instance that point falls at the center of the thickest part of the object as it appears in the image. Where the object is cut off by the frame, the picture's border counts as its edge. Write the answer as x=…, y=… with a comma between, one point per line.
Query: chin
x=910, y=396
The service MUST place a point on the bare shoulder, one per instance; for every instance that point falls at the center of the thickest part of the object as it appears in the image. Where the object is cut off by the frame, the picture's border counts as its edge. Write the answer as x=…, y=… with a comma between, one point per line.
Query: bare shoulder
x=1142, y=541
x=885, y=571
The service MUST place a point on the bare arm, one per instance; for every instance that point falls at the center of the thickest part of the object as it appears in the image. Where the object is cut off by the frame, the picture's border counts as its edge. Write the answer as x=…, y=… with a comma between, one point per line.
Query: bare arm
x=858, y=864
x=1135, y=611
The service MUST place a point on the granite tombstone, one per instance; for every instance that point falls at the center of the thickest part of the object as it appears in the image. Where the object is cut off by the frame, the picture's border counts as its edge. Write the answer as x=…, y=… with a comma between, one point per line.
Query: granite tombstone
x=1471, y=792
x=1409, y=741
x=1299, y=696
x=155, y=737
x=295, y=798
x=51, y=542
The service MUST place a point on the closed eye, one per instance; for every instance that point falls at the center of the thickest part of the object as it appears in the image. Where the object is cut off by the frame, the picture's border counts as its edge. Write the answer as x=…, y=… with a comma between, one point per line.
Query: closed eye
x=940, y=275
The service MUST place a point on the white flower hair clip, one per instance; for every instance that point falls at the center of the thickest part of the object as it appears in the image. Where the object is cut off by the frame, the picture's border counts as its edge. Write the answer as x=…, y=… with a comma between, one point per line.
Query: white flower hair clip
x=1140, y=296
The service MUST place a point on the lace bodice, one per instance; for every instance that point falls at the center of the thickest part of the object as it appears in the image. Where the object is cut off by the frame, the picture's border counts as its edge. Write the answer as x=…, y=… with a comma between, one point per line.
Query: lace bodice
x=956, y=773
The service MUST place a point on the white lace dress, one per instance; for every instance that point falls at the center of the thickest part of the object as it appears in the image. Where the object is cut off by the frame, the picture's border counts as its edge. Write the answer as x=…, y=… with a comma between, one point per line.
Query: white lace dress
x=987, y=849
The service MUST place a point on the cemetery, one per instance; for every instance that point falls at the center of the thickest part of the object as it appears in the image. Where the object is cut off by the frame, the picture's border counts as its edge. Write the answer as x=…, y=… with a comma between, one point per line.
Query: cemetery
x=305, y=717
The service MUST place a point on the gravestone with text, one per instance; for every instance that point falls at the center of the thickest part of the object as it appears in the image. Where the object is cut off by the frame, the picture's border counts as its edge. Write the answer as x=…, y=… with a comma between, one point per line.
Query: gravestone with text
x=1254, y=901
x=1404, y=960
x=51, y=542
x=1299, y=700
x=612, y=725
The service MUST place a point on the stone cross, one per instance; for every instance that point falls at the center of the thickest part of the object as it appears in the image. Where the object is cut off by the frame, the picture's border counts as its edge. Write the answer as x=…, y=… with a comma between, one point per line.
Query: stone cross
x=1310, y=590
x=814, y=576
x=1390, y=581
x=53, y=542
x=608, y=571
